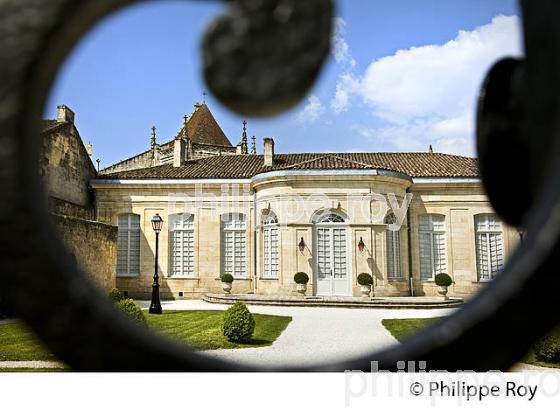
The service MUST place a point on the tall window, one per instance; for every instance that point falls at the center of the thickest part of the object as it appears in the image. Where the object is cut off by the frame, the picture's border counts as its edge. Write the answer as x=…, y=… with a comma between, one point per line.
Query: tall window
x=393, y=241
x=431, y=231
x=181, y=237
x=489, y=246
x=234, y=239
x=270, y=233
x=128, y=245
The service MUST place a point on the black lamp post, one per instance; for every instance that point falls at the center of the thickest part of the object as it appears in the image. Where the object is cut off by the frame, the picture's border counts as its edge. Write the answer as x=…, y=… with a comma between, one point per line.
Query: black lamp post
x=155, y=305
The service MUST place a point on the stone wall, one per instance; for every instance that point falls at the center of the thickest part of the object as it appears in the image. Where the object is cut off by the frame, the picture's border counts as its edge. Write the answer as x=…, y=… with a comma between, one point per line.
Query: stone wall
x=61, y=207
x=66, y=167
x=93, y=245
x=163, y=154
x=144, y=160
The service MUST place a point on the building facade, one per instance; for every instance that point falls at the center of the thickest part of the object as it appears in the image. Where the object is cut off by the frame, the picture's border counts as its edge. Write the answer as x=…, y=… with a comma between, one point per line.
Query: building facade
x=402, y=217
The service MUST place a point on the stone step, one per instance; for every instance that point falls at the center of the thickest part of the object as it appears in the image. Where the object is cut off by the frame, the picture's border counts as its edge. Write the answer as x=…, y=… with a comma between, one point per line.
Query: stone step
x=375, y=303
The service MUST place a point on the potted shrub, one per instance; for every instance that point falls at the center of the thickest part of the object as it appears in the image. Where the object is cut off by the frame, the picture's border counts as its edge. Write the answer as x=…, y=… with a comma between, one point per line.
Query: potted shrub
x=301, y=279
x=227, y=282
x=365, y=280
x=443, y=280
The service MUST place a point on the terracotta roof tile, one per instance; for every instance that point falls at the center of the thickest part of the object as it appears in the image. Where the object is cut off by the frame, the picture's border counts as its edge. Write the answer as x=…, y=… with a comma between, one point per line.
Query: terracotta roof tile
x=202, y=128
x=247, y=166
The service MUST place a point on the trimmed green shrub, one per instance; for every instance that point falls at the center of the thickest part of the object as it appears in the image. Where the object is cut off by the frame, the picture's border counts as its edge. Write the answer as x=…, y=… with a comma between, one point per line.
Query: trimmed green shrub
x=226, y=278
x=238, y=324
x=443, y=279
x=365, y=279
x=131, y=309
x=548, y=349
x=115, y=295
x=301, y=278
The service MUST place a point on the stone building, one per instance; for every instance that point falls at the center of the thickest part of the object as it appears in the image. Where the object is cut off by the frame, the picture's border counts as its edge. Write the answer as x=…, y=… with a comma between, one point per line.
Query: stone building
x=200, y=137
x=402, y=217
x=66, y=169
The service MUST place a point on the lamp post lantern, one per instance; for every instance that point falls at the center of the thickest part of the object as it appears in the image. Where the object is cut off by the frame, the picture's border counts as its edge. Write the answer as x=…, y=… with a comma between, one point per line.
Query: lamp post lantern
x=155, y=305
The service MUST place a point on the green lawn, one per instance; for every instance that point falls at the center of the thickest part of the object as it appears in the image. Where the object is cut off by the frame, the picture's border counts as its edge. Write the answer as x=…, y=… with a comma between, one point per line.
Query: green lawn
x=202, y=329
x=403, y=328
x=199, y=329
x=18, y=343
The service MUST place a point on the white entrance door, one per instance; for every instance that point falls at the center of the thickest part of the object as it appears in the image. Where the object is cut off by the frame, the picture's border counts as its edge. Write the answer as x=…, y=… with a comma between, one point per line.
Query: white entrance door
x=333, y=278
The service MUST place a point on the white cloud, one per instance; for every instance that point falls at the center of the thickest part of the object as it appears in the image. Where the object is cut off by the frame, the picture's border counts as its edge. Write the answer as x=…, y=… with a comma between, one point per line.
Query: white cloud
x=341, y=49
x=343, y=56
x=346, y=85
x=311, y=112
x=428, y=94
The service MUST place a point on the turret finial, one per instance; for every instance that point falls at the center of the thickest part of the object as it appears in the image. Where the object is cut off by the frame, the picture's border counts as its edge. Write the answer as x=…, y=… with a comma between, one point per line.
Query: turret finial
x=153, y=136
x=254, y=146
x=244, y=141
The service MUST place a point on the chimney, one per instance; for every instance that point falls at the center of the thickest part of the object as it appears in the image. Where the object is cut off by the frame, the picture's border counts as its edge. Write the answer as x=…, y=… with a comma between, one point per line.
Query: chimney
x=239, y=149
x=179, y=152
x=431, y=149
x=64, y=114
x=268, y=152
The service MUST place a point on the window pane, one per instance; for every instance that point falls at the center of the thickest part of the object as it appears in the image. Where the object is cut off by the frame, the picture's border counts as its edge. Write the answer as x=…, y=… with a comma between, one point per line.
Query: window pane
x=128, y=245
x=489, y=246
x=393, y=254
x=433, y=258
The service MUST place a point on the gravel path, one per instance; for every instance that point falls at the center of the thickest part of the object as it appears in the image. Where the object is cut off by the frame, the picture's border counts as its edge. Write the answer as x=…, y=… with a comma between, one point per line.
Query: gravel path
x=315, y=335
x=35, y=364
x=524, y=367
x=9, y=321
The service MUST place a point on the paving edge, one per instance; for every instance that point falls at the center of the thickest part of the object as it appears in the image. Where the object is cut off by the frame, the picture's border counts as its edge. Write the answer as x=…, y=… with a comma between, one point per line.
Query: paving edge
x=215, y=299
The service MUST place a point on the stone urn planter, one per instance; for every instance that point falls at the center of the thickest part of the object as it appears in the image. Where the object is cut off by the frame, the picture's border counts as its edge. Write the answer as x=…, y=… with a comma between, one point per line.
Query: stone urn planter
x=366, y=290
x=442, y=291
x=365, y=280
x=227, y=283
x=301, y=279
x=227, y=287
x=443, y=281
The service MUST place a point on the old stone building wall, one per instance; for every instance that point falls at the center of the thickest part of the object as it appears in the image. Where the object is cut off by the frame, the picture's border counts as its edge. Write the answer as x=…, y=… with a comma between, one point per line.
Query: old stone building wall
x=143, y=160
x=93, y=245
x=66, y=169
x=163, y=154
x=64, y=163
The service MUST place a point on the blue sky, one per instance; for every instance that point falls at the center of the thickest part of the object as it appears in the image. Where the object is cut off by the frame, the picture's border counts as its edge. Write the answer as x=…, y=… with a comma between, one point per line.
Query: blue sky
x=403, y=75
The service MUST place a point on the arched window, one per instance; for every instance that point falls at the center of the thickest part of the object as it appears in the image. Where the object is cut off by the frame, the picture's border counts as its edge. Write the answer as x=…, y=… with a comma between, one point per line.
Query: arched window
x=393, y=244
x=270, y=239
x=331, y=218
x=234, y=245
x=181, y=238
x=433, y=258
x=128, y=245
x=489, y=246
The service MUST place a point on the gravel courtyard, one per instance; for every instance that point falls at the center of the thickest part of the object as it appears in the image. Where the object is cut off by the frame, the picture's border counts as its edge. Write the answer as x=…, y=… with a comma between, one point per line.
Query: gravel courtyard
x=315, y=335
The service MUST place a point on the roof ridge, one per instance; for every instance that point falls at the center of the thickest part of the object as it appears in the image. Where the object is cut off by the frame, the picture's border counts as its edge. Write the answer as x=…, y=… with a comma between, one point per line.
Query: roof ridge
x=352, y=161
x=306, y=161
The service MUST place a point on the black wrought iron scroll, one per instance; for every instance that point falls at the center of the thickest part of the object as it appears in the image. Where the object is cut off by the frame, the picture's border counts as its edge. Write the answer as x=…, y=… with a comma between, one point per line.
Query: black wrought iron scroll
x=260, y=59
